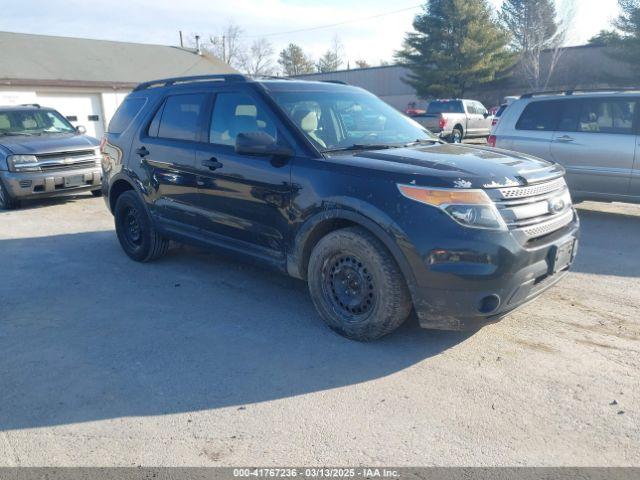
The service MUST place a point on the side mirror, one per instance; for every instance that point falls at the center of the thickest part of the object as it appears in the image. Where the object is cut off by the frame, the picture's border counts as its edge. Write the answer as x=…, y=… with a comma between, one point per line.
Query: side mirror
x=260, y=143
x=486, y=114
x=81, y=130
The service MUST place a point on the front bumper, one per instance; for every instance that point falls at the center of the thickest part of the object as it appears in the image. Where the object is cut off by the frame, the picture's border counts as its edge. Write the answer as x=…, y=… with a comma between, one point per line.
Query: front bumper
x=488, y=277
x=25, y=185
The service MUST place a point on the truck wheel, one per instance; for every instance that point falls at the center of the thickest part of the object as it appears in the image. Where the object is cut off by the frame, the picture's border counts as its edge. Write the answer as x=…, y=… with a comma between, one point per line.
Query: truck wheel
x=96, y=193
x=356, y=285
x=456, y=135
x=7, y=202
x=136, y=233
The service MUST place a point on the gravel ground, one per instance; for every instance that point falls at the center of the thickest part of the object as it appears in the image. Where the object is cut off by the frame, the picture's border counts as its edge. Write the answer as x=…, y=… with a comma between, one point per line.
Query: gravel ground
x=198, y=360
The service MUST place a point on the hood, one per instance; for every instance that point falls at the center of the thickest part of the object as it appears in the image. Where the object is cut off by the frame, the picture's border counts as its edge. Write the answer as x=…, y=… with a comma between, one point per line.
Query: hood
x=39, y=144
x=459, y=166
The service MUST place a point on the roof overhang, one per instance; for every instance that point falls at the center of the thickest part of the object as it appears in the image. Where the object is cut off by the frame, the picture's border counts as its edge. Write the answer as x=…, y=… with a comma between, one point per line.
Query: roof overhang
x=23, y=82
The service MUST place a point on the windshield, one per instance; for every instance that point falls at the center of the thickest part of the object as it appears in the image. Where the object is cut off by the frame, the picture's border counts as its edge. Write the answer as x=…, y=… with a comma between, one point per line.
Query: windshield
x=445, y=106
x=33, y=122
x=337, y=120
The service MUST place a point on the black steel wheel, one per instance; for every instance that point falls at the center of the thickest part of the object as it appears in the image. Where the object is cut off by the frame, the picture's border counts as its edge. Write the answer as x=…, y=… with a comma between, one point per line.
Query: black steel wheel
x=349, y=285
x=136, y=233
x=356, y=285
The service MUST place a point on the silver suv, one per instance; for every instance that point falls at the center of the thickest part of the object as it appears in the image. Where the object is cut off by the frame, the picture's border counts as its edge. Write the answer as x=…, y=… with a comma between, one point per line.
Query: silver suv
x=594, y=135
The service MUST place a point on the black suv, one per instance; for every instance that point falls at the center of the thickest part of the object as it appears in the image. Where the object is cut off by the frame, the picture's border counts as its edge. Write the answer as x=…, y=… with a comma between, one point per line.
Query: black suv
x=328, y=183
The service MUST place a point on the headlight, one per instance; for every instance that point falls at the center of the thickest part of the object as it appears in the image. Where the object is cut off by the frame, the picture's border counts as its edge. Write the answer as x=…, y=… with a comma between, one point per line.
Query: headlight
x=470, y=208
x=23, y=162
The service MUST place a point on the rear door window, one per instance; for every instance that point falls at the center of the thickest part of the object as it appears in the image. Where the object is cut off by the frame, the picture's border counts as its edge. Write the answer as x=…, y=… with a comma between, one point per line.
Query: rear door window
x=125, y=114
x=539, y=116
x=181, y=117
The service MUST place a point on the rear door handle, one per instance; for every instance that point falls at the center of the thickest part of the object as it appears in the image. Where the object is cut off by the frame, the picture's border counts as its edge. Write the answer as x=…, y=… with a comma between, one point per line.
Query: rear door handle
x=212, y=163
x=565, y=138
x=142, y=151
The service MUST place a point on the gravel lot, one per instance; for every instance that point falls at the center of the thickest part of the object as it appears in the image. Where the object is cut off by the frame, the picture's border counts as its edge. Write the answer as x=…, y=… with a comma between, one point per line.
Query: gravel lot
x=198, y=360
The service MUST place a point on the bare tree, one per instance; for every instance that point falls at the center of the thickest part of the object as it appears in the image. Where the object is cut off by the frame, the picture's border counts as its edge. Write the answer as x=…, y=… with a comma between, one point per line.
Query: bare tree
x=258, y=59
x=227, y=46
x=538, y=34
x=362, y=63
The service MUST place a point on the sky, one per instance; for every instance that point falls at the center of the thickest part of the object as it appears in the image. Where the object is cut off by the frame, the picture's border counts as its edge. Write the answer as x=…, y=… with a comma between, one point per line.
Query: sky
x=158, y=21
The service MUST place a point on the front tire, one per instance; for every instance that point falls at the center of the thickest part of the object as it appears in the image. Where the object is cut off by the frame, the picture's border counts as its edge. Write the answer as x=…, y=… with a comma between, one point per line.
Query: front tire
x=7, y=202
x=356, y=285
x=136, y=233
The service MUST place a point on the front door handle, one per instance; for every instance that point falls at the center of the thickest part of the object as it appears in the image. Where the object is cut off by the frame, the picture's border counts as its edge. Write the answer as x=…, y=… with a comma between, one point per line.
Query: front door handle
x=142, y=151
x=212, y=163
x=565, y=138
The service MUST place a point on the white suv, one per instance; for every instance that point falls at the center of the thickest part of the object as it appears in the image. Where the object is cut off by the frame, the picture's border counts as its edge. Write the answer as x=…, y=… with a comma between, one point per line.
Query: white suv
x=594, y=135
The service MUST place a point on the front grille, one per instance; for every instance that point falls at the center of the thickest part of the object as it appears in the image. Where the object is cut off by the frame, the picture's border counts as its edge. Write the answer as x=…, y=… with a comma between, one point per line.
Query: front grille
x=67, y=154
x=70, y=160
x=535, y=210
x=67, y=166
x=532, y=190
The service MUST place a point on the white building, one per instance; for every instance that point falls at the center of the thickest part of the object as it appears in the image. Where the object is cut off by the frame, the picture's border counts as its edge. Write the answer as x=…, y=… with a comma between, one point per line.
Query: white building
x=84, y=79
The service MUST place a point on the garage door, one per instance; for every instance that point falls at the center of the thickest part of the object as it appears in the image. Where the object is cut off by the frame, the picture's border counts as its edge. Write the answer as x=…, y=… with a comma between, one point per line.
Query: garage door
x=80, y=109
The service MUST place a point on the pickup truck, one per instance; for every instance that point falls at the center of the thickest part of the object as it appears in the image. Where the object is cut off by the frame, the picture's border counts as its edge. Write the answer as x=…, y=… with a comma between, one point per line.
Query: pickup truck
x=456, y=119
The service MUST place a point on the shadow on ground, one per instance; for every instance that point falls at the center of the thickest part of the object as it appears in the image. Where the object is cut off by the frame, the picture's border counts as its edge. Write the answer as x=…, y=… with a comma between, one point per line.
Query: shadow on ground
x=608, y=243
x=86, y=334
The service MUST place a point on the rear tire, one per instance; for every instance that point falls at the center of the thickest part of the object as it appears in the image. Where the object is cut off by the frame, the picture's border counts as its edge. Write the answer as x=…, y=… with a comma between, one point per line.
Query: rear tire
x=96, y=193
x=7, y=202
x=136, y=233
x=457, y=135
x=356, y=285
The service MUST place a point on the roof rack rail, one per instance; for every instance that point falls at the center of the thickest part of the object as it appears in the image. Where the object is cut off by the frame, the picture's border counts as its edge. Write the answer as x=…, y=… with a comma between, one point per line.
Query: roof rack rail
x=271, y=77
x=571, y=91
x=37, y=105
x=167, y=82
x=338, y=82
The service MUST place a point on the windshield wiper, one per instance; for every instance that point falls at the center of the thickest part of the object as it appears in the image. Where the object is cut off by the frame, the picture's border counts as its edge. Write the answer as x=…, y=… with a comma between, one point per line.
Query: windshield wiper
x=15, y=134
x=423, y=141
x=361, y=146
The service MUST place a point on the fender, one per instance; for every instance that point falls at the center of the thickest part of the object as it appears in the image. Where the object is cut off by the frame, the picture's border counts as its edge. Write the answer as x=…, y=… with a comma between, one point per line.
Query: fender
x=132, y=179
x=350, y=211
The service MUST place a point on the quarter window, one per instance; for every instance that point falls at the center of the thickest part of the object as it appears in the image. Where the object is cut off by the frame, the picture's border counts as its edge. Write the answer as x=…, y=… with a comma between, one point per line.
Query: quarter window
x=538, y=116
x=599, y=115
x=123, y=116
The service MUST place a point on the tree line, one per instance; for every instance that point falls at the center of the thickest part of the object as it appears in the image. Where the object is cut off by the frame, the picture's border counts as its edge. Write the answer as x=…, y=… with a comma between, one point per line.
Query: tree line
x=460, y=44
x=256, y=57
x=455, y=45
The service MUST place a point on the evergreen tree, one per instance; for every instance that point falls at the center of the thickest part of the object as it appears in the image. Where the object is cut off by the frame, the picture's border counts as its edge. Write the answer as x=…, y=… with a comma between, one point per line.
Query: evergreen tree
x=628, y=25
x=457, y=44
x=294, y=61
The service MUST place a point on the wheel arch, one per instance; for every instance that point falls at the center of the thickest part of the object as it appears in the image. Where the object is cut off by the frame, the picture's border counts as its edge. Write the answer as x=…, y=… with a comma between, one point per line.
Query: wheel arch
x=118, y=186
x=325, y=222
